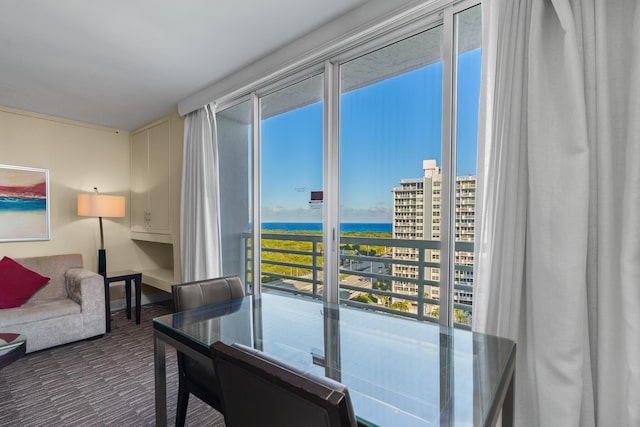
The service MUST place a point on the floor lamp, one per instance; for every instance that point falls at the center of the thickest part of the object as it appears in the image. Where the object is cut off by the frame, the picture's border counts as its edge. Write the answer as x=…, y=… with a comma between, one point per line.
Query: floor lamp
x=101, y=206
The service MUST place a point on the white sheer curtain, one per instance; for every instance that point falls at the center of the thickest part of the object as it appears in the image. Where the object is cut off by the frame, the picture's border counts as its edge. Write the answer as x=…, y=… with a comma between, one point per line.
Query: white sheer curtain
x=558, y=254
x=200, y=243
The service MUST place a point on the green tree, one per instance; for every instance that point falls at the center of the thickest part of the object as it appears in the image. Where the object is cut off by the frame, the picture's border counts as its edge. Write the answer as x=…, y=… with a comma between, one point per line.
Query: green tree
x=461, y=316
x=382, y=284
x=366, y=298
x=402, y=306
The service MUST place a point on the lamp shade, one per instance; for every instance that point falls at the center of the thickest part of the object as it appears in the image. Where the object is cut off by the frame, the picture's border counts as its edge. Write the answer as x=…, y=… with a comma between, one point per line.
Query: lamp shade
x=101, y=205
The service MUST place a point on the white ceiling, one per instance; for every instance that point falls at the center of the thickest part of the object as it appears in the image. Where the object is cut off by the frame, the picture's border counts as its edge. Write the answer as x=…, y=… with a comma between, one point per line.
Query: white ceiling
x=123, y=63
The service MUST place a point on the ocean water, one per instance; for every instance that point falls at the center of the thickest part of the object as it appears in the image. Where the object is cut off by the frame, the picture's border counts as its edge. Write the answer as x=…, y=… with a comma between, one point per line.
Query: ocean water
x=8, y=203
x=317, y=226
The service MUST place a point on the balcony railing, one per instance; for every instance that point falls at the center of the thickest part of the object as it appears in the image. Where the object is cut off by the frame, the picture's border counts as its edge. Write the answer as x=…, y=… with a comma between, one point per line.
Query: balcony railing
x=373, y=273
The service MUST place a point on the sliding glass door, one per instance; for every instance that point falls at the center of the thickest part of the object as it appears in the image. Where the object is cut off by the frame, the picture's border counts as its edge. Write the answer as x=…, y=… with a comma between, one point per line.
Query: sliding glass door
x=390, y=162
x=291, y=179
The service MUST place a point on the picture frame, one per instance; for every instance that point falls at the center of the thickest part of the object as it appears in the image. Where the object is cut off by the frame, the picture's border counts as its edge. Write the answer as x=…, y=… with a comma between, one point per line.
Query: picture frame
x=24, y=204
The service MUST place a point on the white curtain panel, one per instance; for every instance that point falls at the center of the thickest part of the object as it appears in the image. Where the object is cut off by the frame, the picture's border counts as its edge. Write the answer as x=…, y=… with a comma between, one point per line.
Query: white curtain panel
x=200, y=242
x=558, y=251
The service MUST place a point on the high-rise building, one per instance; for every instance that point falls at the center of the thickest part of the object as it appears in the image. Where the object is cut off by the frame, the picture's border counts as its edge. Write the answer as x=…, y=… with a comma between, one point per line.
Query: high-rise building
x=416, y=215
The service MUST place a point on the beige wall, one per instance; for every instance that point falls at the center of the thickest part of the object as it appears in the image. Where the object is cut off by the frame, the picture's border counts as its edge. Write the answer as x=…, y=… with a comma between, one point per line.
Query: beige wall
x=79, y=156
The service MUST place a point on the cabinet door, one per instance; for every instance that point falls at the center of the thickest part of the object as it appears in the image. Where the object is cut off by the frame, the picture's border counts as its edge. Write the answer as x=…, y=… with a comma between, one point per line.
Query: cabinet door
x=139, y=180
x=159, y=172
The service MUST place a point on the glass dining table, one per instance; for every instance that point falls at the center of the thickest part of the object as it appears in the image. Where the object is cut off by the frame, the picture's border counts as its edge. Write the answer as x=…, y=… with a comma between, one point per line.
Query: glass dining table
x=400, y=372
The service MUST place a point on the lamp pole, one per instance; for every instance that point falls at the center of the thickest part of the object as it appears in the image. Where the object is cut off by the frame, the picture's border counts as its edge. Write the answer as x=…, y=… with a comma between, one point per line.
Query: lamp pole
x=102, y=255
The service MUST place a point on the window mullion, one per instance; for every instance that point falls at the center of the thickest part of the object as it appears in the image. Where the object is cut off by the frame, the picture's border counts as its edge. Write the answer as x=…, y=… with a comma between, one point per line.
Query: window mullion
x=448, y=173
x=331, y=237
x=257, y=220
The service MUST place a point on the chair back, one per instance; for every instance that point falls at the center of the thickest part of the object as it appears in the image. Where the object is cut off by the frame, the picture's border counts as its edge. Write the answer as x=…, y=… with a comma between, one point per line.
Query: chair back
x=202, y=292
x=260, y=390
x=195, y=377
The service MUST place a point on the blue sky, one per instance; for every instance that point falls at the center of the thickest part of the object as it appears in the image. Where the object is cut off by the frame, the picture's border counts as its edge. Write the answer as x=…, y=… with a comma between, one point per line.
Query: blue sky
x=387, y=129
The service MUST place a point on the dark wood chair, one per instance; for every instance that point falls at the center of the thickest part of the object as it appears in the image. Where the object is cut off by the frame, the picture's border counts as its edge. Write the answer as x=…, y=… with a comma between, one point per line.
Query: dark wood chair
x=258, y=390
x=194, y=377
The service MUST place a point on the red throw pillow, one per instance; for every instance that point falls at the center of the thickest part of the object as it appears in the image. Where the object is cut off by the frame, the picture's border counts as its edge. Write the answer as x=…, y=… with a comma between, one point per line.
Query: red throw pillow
x=17, y=283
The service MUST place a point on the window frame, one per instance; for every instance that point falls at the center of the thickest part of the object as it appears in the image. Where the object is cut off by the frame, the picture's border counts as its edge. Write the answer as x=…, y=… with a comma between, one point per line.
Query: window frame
x=390, y=30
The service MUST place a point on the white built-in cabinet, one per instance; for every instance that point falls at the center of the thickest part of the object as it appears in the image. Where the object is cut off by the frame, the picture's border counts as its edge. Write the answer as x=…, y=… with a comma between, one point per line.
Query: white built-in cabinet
x=150, y=183
x=156, y=162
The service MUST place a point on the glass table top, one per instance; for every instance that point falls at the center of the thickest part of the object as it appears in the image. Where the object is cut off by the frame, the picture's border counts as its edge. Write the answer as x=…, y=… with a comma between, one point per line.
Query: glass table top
x=9, y=341
x=12, y=346
x=399, y=372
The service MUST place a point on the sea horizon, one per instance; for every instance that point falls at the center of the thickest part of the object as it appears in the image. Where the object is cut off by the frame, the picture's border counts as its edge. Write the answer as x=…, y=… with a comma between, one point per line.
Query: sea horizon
x=345, y=227
x=22, y=203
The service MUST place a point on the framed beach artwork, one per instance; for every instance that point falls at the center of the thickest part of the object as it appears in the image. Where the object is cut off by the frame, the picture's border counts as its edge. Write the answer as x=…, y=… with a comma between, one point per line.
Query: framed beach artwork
x=24, y=204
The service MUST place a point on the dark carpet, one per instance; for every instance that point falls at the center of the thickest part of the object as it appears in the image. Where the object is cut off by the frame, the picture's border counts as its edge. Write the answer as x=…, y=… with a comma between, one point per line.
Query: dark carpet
x=101, y=382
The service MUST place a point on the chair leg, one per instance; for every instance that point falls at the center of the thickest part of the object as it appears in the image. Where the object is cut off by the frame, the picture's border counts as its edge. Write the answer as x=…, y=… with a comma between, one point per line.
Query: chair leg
x=183, y=402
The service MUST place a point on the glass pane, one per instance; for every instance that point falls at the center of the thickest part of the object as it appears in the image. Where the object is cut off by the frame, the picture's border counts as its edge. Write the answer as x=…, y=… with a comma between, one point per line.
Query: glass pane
x=234, y=148
x=291, y=187
x=390, y=157
x=468, y=33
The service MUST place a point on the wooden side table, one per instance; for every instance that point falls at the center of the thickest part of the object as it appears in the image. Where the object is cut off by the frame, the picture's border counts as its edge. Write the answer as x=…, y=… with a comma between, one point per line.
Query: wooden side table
x=12, y=347
x=126, y=276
